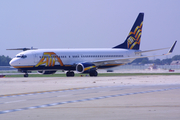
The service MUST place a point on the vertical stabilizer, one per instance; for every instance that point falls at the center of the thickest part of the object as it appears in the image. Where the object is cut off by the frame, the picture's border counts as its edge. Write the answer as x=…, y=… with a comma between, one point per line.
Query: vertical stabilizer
x=134, y=38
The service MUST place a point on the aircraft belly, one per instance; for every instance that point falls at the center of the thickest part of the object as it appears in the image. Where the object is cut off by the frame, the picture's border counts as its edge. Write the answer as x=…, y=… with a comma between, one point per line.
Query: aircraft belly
x=43, y=67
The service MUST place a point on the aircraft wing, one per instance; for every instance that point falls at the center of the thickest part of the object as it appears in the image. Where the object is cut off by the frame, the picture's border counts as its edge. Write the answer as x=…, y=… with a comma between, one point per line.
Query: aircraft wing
x=139, y=52
x=129, y=59
x=158, y=49
x=120, y=60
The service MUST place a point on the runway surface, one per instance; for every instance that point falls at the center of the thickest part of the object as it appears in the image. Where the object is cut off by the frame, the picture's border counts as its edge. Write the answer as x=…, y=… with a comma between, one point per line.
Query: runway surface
x=95, y=98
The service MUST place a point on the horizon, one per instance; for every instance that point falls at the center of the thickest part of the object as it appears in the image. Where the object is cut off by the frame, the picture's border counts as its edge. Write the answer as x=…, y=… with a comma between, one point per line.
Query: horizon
x=87, y=24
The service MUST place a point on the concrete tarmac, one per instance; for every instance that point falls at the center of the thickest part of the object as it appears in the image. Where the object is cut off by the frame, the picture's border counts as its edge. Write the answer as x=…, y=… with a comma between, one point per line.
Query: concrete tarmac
x=90, y=98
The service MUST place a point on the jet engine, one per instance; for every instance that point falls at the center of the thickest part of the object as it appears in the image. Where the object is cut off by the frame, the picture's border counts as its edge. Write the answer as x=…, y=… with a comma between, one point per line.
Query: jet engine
x=46, y=72
x=85, y=67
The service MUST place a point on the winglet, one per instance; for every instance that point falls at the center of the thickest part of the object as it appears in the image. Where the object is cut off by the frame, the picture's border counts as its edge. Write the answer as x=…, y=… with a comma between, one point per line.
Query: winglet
x=172, y=48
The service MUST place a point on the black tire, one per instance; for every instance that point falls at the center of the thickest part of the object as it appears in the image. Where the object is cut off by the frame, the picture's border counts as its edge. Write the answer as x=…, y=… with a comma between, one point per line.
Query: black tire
x=93, y=73
x=26, y=75
x=70, y=74
x=67, y=74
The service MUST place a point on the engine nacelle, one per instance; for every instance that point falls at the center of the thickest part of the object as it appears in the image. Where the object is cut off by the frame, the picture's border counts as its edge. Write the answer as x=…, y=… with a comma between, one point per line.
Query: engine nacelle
x=46, y=72
x=85, y=67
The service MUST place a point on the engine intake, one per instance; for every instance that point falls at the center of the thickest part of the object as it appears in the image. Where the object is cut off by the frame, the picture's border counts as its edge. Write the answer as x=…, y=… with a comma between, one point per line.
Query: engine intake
x=85, y=67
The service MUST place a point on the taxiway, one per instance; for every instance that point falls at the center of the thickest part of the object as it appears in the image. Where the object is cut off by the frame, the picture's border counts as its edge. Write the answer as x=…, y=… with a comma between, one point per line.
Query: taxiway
x=91, y=98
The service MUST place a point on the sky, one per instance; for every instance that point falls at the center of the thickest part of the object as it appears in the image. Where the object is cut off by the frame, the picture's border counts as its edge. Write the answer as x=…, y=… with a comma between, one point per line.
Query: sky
x=87, y=24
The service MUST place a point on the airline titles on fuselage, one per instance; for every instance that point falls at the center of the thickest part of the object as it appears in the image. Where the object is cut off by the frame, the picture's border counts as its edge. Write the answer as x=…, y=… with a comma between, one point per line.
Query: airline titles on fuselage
x=49, y=58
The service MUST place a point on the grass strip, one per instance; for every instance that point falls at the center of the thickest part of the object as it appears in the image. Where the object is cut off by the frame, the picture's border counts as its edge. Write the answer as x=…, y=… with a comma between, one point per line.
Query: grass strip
x=99, y=75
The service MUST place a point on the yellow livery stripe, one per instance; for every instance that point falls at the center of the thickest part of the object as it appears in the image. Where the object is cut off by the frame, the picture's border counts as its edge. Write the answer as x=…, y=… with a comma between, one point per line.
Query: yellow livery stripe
x=23, y=66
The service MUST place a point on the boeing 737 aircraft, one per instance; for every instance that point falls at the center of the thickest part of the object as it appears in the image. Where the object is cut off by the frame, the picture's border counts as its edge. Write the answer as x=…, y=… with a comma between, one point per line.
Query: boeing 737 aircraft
x=48, y=61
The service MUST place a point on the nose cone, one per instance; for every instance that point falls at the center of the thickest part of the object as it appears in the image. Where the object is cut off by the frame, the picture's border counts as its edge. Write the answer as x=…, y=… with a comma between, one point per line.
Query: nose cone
x=13, y=62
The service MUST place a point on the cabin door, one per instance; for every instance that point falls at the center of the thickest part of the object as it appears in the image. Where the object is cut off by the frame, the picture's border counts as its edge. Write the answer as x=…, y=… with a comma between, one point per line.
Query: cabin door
x=36, y=58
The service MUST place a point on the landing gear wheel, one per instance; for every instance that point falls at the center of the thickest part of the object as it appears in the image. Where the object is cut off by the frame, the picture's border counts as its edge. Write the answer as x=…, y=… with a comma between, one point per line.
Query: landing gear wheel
x=25, y=75
x=93, y=73
x=70, y=74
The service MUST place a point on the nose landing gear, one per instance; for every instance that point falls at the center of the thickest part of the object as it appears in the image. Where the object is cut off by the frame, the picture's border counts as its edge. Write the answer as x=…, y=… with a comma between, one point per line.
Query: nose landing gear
x=26, y=75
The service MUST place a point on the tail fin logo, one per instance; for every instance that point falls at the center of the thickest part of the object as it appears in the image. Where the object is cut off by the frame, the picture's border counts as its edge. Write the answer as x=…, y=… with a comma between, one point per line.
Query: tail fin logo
x=49, y=59
x=134, y=37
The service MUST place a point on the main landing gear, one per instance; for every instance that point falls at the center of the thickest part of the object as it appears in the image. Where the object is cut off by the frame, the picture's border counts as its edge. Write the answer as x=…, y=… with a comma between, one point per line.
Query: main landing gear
x=93, y=73
x=70, y=74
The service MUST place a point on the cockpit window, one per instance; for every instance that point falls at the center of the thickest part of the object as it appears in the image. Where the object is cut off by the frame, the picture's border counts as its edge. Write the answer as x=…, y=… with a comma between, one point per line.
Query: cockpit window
x=18, y=56
x=21, y=56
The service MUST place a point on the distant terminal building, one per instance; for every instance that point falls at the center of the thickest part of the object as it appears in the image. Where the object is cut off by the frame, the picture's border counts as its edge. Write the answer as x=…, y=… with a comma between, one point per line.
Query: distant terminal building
x=177, y=62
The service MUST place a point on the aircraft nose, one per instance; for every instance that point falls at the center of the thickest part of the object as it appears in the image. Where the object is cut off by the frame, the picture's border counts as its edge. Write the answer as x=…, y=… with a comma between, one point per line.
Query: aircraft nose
x=13, y=62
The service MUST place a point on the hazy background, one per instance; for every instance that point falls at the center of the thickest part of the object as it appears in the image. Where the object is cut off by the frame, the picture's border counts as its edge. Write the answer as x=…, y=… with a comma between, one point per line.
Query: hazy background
x=87, y=23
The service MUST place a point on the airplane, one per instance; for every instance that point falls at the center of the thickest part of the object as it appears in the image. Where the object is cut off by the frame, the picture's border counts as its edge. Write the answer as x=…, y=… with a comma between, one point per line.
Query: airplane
x=48, y=61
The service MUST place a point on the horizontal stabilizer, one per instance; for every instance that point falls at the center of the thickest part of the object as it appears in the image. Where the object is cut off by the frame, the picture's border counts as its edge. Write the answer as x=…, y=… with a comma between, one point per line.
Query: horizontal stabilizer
x=24, y=49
